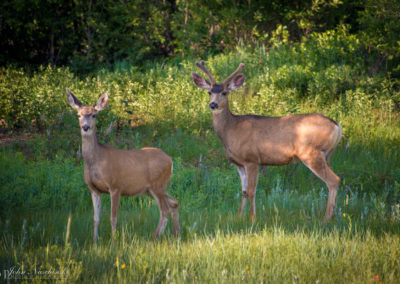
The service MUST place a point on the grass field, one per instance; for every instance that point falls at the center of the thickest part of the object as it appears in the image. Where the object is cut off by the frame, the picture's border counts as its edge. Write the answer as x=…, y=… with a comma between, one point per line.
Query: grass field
x=288, y=242
x=46, y=213
x=218, y=249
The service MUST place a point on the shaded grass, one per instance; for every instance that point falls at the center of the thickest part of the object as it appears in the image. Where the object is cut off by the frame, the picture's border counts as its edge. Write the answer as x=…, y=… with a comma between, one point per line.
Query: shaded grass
x=202, y=176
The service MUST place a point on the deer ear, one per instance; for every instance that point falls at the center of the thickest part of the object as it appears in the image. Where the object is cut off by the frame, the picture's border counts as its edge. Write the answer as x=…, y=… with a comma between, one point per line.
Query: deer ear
x=200, y=81
x=102, y=102
x=236, y=82
x=73, y=101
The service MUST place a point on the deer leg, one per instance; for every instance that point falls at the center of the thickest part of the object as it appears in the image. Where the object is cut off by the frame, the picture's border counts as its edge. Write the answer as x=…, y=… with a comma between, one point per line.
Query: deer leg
x=162, y=203
x=96, y=199
x=115, y=196
x=245, y=193
x=328, y=157
x=318, y=164
x=173, y=206
x=252, y=177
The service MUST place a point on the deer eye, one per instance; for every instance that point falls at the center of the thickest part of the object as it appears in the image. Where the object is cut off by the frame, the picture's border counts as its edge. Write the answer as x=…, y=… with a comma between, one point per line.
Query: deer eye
x=224, y=93
x=209, y=93
x=93, y=115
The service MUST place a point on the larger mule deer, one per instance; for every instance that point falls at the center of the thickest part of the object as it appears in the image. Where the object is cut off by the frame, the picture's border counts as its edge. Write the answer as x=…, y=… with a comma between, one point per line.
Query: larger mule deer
x=252, y=140
x=123, y=172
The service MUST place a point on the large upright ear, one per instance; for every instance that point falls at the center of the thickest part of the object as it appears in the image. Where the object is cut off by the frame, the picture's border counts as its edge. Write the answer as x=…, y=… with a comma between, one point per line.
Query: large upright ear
x=201, y=82
x=73, y=101
x=102, y=102
x=236, y=82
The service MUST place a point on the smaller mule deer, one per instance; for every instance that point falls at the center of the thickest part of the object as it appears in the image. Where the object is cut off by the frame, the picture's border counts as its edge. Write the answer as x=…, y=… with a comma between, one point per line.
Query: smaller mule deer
x=123, y=172
x=252, y=140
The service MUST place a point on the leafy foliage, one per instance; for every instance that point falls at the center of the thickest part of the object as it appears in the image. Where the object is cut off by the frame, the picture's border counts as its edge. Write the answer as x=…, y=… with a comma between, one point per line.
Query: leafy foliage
x=380, y=33
x=323, y=67
x=87, y=35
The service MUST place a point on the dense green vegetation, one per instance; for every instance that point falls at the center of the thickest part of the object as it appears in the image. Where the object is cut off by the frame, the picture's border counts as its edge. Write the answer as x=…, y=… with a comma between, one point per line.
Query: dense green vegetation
x=337, y=58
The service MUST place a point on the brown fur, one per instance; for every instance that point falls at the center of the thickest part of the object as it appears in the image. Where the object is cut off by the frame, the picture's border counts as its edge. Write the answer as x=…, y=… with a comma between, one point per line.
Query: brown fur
x=123, y=172
x=251, y=140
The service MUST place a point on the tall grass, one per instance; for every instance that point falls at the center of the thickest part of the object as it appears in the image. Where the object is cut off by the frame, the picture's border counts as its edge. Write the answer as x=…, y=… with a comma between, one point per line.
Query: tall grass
x=285, y=244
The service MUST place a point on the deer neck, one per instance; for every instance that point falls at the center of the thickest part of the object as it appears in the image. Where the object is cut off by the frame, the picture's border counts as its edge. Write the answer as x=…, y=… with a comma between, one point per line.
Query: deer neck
x=90, y=148
x=222, y=121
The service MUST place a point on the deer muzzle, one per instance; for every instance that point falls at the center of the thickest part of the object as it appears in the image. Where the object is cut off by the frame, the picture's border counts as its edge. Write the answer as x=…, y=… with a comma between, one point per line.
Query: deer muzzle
x=85, y=127
x=213, y=105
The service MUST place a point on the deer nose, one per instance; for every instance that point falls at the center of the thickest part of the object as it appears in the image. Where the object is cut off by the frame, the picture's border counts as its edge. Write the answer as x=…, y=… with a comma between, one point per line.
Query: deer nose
x=213, y=105
x=85, y=127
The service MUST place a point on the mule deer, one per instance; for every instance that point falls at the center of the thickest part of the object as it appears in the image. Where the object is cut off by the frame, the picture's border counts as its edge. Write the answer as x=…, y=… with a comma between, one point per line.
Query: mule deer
x=123, y=172
x=252, y=140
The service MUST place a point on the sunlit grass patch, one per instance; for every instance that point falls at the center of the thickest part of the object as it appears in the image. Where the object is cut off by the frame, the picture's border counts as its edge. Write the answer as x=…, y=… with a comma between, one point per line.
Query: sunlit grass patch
x=267, y=254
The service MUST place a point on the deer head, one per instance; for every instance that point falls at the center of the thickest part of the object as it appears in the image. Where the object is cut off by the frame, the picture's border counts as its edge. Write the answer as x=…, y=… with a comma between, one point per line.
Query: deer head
x=87, y=114
x=218, y=92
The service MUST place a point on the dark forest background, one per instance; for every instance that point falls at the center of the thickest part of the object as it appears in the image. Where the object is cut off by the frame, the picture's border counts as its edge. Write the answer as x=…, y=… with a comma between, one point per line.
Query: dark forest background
x=87, y=35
